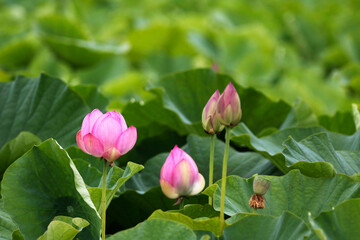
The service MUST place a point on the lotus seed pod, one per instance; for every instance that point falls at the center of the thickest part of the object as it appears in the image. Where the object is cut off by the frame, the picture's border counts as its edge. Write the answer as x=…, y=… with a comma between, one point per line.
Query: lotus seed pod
x=261, y=185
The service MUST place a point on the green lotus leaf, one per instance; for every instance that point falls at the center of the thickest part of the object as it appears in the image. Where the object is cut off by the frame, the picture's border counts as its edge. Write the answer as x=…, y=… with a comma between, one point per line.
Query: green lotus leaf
x=341, y=222
x=42, y=184
x=64, y=228
x=293, y=192
x=285, y=226
x=44, y=106
x=162, y=229
x=15, y=149
x=7, y=226
x=308, y=153
x=203, y=224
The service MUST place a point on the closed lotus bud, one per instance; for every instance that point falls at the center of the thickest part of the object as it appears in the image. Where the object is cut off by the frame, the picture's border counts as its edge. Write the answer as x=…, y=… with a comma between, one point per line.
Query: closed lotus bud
x=106, y=135
x=260, y=187
x=179, y=175
x=229, y=108
x=209, y=119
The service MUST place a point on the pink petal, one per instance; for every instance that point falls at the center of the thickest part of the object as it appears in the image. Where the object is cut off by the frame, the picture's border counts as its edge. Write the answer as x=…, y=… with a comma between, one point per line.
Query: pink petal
x=107, y=129
x=209, y=107
x=198, y=185
x=166, y=170
x=170, y=163
x=182, y=178
x=80, y=142
x=229, y=107
x=92, y=145
x=229, y=93
x=168, y=190
x=120, y=119
x=177, y=155
x=89, y=120
x=193, y=167
x=126, y=140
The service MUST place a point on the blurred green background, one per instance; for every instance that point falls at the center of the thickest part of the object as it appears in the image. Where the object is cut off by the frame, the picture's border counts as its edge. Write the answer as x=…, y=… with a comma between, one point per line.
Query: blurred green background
x=289, y=50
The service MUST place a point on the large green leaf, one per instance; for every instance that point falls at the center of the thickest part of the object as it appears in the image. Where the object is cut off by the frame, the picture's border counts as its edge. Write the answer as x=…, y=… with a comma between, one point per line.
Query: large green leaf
x=293, y=192
x=15, y=149
x=244, y=164
x=314, y=154
x=187, y=92
x=45, y=183
x=64, y=228
x=341, y=122
x=287, y=226
x=91, y=96
x=345, y=143
x=159, y=228
x=181, y=98
x=272, y=147
x=300, y=116
x=198, y=211
x=44, y=106
x=341, y=222
x=203, y=224
x=7, y=226
x=77, y=154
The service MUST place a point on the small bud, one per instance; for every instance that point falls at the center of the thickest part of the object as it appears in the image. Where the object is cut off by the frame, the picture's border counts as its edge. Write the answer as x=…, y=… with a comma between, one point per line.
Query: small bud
x=179, y=176
x=215, y=67
x=229, y=107
x=260, y=187
x=209, y=118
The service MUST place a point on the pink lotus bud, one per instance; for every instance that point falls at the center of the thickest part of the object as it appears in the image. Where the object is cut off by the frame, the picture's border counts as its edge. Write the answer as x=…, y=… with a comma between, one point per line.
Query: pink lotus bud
x=215, y=67
x=106, y=135
x=180, y=176
x=209, y=118
x=229, y=108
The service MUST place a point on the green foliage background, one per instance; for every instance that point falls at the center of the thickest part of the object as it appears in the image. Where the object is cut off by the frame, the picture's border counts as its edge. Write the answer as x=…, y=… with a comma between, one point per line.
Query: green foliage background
x=295, y=65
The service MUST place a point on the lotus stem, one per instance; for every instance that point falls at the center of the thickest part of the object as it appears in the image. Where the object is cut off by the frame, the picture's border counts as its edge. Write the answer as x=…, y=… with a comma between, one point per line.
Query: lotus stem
x=211, y=164
x=103, y=201
x=223, y=181
x=182, y=204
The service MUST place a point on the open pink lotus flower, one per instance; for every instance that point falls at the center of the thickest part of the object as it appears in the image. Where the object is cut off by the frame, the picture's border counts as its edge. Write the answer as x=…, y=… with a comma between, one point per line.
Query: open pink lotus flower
x=228, y=108
x=106, y=135
x=209, y=119
x=179, y=175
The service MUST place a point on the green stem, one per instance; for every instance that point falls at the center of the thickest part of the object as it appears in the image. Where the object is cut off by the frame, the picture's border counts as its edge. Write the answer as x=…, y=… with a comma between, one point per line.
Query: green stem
x=211, y=164
x=254, y=210
x=181, y=205
x=103, y=201
x=223, y=181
